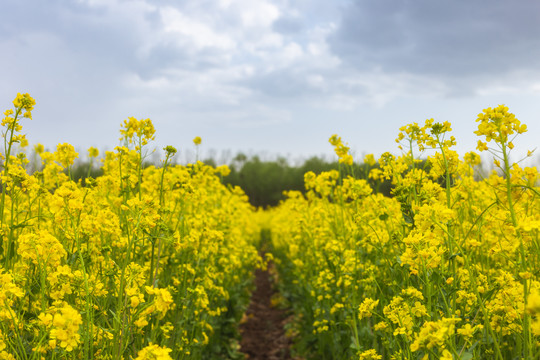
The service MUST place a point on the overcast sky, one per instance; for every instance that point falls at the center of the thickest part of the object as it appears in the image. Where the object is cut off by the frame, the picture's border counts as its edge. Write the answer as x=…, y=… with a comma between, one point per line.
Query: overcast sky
x=269, y=76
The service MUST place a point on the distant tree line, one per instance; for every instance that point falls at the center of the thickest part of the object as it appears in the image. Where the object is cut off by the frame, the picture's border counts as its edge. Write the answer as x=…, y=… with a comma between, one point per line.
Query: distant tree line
x=263, y=181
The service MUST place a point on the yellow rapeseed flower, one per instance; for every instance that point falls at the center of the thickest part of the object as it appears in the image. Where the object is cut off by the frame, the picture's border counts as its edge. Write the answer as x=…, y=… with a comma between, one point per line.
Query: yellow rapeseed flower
x=154, y=352
x=366, y=308
x=66, y=323
x=370, y=355
x=65, y=154
x=93, y=152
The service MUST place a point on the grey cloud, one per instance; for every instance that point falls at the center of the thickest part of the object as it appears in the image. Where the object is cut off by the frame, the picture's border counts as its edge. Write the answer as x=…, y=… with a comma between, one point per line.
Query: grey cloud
x=446, y=38
x=314, y=87
x=88, y=32
x=288, y=25
x=164, y=57
x=279, y=84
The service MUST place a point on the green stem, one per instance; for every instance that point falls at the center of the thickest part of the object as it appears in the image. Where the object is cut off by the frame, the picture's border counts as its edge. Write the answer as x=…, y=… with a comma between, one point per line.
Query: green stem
x=8, y=145
x=523, y=265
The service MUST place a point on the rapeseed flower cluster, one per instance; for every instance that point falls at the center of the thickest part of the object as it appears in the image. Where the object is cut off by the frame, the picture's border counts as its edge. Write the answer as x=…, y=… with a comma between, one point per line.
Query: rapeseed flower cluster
x=498, y=124
x=65, y=328
x=342, y=150
x=154, y=352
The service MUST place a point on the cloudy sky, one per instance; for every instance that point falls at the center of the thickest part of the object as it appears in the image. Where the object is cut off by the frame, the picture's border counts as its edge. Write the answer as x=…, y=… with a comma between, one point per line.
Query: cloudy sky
x=269, y=76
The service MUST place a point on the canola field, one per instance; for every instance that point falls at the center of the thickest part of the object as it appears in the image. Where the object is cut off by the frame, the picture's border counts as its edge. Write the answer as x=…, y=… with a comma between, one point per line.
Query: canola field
x=150, y=262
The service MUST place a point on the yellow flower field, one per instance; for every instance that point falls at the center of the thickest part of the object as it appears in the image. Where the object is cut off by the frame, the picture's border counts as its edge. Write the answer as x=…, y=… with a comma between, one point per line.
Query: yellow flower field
x=149, y=262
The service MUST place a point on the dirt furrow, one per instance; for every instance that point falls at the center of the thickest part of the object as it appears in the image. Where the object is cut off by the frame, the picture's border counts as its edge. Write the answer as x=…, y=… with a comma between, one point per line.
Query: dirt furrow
x=263, y=334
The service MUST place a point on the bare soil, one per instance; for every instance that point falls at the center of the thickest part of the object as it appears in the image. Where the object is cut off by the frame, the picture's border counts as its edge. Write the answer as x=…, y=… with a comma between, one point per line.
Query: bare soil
x=263, y=335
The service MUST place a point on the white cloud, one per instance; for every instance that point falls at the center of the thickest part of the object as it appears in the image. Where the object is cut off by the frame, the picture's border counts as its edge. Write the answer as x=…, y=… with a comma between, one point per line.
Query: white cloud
x=258, y=63
x=188, y=31
x=253, y=13
x=192, y=89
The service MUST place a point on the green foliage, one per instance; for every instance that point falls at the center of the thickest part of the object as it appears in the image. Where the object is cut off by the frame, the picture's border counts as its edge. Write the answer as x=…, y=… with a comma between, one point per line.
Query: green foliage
x=265, y=181
x=82, y=170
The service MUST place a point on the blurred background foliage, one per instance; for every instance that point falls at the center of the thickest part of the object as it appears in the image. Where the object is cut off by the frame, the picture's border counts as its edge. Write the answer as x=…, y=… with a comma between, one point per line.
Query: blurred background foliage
x=264, y=181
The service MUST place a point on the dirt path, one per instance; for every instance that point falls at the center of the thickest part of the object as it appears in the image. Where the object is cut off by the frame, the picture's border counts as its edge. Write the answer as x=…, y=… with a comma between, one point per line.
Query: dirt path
x=263, y=336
